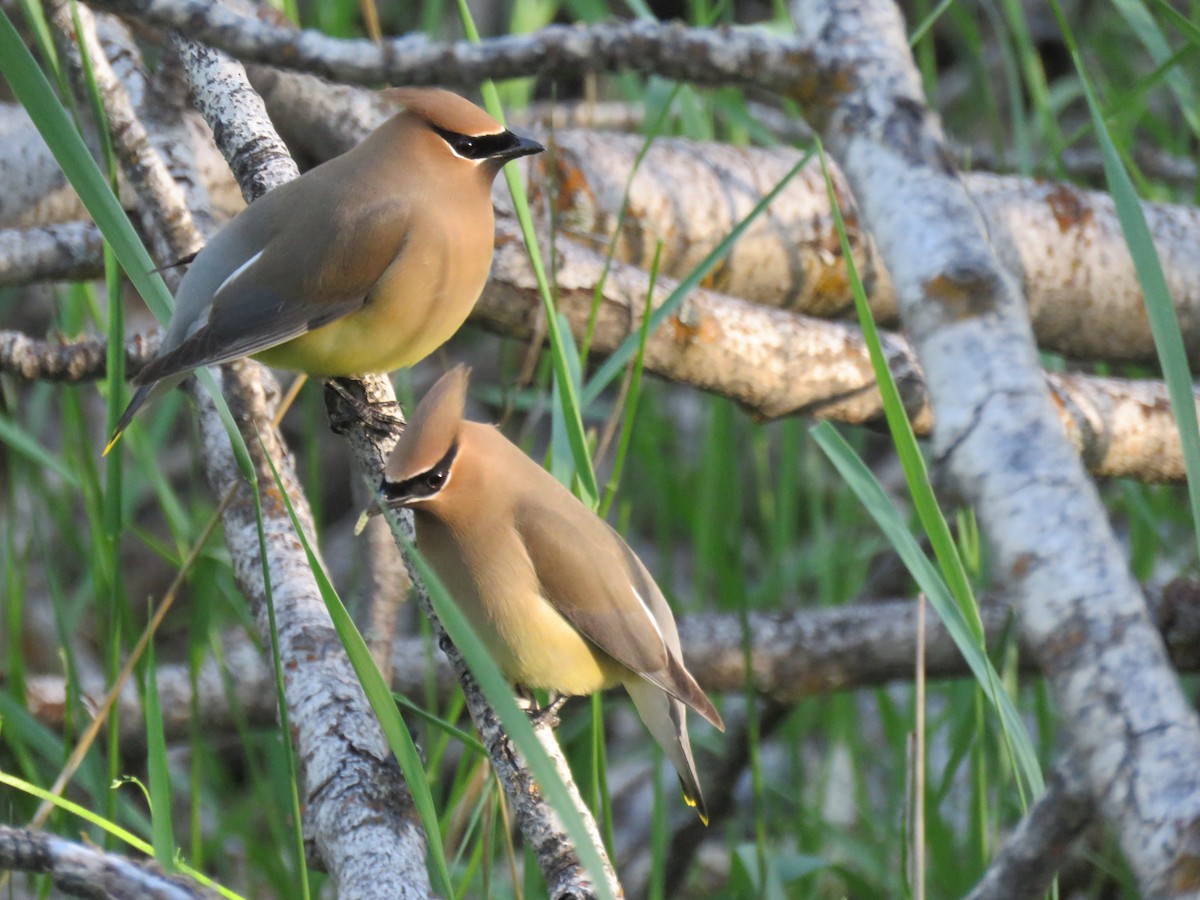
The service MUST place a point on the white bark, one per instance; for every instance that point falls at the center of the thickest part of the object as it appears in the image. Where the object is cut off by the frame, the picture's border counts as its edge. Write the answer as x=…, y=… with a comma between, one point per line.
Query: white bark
x=358, y=810
x=1121, y=705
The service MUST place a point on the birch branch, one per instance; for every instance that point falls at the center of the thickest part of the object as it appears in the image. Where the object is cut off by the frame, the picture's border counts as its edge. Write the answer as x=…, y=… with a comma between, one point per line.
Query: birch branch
x=79, y=870
x=1121, y=705
x=794, y=654
x=358, y=810
x=245, y=140
x=163, y=207
x=1064, y=244
x=67, y=252
x=1025, y=866
x=1083, y=163
x=718, y=56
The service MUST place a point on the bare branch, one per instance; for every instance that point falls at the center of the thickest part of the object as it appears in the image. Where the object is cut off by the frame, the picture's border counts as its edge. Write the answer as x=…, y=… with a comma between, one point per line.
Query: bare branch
x=163, y=209
x=66, y=252
x=706, y=56
x=1120, y=702
x=83, y=871
x=357, y=808
x=67, y=361
x=1064, y=244
x=1026, y=865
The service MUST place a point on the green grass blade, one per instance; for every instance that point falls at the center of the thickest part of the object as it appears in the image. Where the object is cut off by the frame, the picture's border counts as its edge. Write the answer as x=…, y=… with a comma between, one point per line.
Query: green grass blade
x=30, y=86
x=28, y=446
x=1142, y=24
x=380, y=697
x=158, y=769
x=285, y=727
x=875, y=500
x=516, y=723
x=1164, y=323
x=909, y=453
x=572, y=410
x=616, y=362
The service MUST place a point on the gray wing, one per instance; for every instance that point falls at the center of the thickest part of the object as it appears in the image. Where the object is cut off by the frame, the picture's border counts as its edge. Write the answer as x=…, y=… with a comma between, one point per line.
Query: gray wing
x=236, y=302
x=590, y=576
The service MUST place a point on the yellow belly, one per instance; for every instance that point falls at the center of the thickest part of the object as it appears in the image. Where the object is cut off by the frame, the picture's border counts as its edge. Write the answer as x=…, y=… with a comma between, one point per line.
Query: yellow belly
x=531, y=642
x=414, y=308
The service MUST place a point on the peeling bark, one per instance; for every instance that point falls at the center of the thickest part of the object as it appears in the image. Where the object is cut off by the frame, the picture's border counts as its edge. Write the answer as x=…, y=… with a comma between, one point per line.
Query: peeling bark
x=1063, y=244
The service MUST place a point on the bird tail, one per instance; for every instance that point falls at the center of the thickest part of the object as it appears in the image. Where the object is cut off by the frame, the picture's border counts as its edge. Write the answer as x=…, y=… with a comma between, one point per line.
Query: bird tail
x=666, y=718
x=140, y=396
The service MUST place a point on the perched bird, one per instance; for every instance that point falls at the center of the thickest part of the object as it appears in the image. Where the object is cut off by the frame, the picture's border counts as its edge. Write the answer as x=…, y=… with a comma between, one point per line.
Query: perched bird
x=560, y=601
x=366, y=263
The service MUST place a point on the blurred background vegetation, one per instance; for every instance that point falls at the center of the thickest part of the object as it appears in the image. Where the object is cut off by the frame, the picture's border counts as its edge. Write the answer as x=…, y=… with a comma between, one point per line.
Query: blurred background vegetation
x=729, y=514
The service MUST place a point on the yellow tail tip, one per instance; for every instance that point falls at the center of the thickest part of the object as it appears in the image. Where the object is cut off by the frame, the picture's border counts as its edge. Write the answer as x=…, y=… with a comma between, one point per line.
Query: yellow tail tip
x=112, y=442
x=692, y=803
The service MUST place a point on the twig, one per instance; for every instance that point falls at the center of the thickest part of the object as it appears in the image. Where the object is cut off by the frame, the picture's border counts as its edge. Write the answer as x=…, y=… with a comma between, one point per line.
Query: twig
x=703, y=55
x=1080, y=610
x=1024, y=867
x=82, y=871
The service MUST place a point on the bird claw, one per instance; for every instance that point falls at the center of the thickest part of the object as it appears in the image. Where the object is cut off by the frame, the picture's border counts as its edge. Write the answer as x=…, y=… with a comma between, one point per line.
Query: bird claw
x=353, y=410
x=541, y=715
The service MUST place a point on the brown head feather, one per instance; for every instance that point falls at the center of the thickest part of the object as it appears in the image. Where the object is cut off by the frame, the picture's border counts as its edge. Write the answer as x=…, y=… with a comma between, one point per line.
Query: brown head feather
x=432, y=429
x=445, y=110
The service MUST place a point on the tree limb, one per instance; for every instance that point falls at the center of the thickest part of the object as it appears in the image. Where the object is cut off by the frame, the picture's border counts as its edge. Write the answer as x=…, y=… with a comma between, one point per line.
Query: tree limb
x=83, y=871
x=1121, y=704
x=717, y=56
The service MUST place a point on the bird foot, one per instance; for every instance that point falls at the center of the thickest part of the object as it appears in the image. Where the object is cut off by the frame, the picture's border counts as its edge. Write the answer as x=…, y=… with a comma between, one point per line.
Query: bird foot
x=348, y=408
x=541, y=715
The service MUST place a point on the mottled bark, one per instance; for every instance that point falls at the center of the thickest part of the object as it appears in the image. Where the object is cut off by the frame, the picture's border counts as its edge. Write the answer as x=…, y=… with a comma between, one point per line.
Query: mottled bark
x=718, y=56
x=1120, y=703
x=1062, y=243
x=81, y=870
x=358, y=811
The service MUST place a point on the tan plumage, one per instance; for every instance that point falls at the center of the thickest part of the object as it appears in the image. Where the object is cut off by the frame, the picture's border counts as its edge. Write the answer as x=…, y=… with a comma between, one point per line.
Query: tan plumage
x=366, y=263
x=558, y=598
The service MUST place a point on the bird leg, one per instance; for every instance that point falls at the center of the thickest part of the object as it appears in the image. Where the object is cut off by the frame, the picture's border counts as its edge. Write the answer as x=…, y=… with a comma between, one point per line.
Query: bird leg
x=381, y=417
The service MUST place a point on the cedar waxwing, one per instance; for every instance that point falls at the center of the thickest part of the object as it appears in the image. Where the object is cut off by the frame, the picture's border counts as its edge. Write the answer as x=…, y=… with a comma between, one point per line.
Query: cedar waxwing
x=366, y=263
x=560, y=601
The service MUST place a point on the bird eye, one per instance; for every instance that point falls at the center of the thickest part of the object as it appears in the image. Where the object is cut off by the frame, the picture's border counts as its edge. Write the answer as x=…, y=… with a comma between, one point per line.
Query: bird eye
x=466, y=146
x=435, y=479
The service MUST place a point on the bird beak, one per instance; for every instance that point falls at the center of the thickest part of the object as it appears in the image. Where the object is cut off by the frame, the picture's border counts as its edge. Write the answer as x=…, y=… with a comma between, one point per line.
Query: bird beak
x=523, y=147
